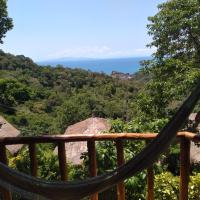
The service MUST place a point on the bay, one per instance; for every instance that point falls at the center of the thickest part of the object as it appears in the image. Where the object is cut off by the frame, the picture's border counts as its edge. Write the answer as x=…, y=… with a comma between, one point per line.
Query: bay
x=125, y=65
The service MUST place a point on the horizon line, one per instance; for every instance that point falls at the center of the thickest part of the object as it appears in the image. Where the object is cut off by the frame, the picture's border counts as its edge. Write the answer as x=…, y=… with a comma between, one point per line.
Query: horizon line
x=90, y=58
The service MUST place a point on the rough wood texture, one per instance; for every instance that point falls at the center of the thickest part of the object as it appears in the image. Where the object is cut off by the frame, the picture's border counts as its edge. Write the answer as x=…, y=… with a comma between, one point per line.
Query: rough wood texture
x=150, y=183
x=76, y=138
x=90, y=137
x=33, y=159
x=92, y=164
x=62, y=161
x=184, y=168
x=120, y=162
x=3, y=156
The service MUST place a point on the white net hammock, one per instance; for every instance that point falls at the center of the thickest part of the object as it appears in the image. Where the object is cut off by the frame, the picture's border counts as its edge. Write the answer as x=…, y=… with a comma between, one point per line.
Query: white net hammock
x=33, y=188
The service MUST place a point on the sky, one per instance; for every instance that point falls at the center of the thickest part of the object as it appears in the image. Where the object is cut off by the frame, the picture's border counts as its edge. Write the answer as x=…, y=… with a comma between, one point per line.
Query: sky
x=51, y=29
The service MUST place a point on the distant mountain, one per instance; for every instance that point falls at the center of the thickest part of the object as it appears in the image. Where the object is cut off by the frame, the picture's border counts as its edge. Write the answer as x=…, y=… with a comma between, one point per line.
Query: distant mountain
x=65, y=59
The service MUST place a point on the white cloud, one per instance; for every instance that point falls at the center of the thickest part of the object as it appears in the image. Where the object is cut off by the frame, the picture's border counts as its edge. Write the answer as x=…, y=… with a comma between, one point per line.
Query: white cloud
x=103, y=51
x=86, y=51
x=145, y=50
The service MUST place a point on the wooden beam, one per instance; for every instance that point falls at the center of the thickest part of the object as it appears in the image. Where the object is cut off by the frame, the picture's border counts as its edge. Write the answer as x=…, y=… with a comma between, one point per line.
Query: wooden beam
x=120, y=162
x=62, y=161
x=33, y=159
x=3, y=158
x=92, y=164
x=184, y=168
x=75, y=138
x=89, y=137
x=150, y=183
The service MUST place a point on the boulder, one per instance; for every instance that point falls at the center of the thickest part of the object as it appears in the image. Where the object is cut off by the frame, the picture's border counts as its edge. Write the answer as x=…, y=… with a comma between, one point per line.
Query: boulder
x=74, y=150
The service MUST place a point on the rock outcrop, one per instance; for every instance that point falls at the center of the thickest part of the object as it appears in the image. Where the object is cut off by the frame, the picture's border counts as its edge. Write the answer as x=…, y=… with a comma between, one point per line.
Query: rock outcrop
x=7, y=130
x=120, y=75
x=74, y=150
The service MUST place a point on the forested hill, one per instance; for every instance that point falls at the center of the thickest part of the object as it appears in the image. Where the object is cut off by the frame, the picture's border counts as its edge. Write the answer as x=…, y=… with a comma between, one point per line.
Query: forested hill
x=45, y=100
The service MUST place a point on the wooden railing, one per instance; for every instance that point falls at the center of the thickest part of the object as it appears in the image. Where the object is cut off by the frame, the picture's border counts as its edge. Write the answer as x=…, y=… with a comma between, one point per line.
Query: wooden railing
x=183, y=137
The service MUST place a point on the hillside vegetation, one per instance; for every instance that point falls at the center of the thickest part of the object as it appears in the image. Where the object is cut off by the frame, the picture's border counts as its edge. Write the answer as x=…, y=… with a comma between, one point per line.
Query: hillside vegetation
x=45, y=100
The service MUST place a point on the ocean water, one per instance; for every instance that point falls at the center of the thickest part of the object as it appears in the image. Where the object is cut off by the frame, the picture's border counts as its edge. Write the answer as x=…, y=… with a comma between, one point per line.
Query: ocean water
x=124, y=65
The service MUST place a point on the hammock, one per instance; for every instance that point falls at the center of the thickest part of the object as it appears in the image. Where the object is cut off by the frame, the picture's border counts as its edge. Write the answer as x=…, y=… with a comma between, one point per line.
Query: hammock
x=34, y=188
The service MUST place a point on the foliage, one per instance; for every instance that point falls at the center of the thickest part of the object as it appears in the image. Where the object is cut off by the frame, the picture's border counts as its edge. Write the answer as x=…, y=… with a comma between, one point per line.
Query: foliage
x=13, y=92
x=175, y=65
x=136, y=125
x=21, y=162
x=48, y=167
x=167, y=186
x=46, y=100
x=175, y=29
x=194, y=185
x=48, y=163
x=5, y=21
x=135, y=187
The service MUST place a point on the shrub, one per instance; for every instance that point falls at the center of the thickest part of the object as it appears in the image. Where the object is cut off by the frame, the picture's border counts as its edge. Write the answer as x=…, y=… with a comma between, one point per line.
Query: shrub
x=194, y=187
x=167, y=187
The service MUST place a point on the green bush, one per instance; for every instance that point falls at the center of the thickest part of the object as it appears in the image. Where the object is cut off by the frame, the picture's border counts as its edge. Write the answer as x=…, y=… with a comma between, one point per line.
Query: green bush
x=167, y=187
x=13, y=92
x=48, y=166
x=194, y=187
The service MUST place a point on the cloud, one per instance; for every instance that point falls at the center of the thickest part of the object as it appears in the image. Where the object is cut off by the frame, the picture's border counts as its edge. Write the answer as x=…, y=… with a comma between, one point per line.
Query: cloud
x=85, y=51
x=103, y=51
x=145, y=50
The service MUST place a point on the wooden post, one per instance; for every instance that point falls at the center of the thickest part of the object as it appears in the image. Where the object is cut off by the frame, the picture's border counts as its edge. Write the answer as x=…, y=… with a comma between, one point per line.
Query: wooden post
x=120, y=162
x=184, y=168
x=62, y=161
x=3, y=158
x=92, y=164
x=150, y=183
x=33, y=159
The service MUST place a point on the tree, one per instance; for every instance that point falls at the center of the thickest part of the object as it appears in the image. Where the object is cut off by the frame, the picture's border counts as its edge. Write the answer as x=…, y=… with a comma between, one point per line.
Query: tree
x=175, y=31
x=13, y=92
x=5, y=22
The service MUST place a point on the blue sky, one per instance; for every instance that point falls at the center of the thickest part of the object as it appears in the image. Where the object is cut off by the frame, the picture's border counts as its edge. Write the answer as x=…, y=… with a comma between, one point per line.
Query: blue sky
x=49, y=29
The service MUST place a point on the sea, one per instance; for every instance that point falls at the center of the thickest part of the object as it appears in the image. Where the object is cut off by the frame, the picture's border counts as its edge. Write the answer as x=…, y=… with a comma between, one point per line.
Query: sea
x=124, y=65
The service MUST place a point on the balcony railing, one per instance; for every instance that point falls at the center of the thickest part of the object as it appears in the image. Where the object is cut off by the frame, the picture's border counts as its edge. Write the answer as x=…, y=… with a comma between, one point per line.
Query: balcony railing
x=183, y=138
